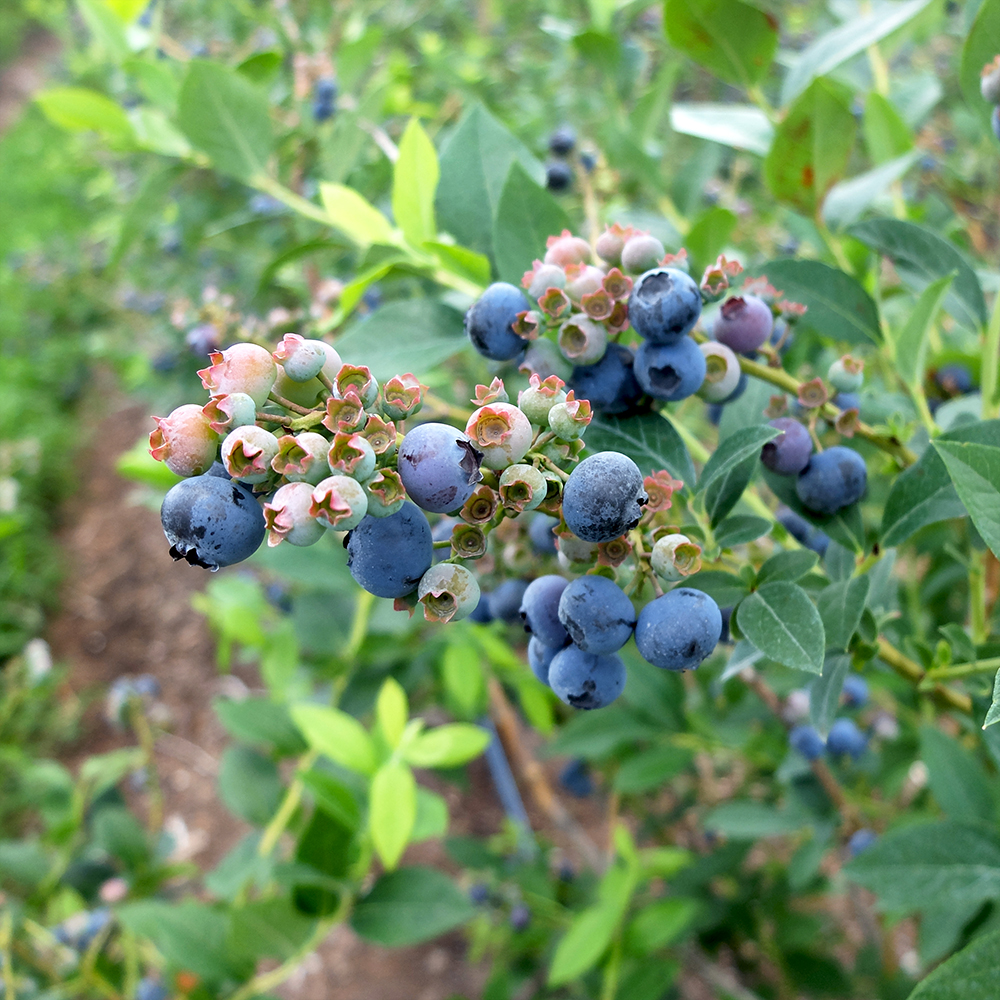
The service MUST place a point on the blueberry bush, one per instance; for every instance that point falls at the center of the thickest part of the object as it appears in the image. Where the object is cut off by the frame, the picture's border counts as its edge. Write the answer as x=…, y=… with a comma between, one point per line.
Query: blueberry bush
x=625, y=372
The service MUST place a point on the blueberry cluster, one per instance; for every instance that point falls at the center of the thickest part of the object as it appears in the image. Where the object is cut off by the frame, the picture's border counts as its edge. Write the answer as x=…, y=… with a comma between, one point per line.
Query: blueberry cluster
x=563, y=148
x=845, y=737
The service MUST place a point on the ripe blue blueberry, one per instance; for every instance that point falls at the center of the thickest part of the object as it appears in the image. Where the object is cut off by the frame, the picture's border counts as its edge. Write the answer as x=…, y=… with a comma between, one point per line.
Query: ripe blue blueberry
x=597, y=614
x=479, y=894
x=955, y=380
x=489, y=322
x=540, y=658
x=664, y=305
x=540, y=610
x=562, y=141
x=576, y=779
x=995, y=121
x=610, y=384
x=149, y=988
x=855, y=691
x=481, y=612
x=670, y=371
x=787, y=454
x=604, y=496
x=586, y=680
x=807, y=742
x=439, y=467
x=520, y=917
x=505, y=601
x=678, y=630
x=324, y=99
x=860, y=841
x=832, y=480
x=387, y=556
x=845, y=738
x=543, y=541
x=744, y=323
x=211, y=521
x=558, y=176
x=802, y=531
x=847, y=401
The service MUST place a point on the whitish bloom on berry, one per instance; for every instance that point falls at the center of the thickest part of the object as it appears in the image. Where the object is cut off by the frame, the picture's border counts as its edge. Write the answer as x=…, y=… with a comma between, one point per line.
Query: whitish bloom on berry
x=344, y=414
x=247, y=453
x=448, y=592
x=241, y=368
x=338, y=502
x=302, y=457
x=302, y=359
x=184, y=441
x=287, y=516
x=582, y=279
x=401, y=396
x=235, y=409
x=566, y=249
x=501, y=432
x=722, y=372
x=351, y=455
x=569, y=419
x=540, y=396
x=522, y=487
x=542, y=277
x=360, y=379
x=385, y=493
x=480, y=507
x=675, y=557
x=641, y=252
x=660, y=487
x=582, y=340
x=492, y=393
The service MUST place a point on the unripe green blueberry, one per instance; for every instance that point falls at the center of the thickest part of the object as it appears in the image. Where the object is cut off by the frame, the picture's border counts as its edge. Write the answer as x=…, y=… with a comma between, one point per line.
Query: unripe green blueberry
x=351, y=455
x=401, y=396
x=501, y=432
x=582, y=340
x=385, y=493
x=522, y=487
x=302, y=457
x=184, y=441
x=247, y=453
x=544, y=277
x=722, y=372
x=287, y=516
x=641, y=253
x=675, y=557
x=241, y=368
x=234, y=409
x=302, y=359
x=339, y=502
x=301, y=393
x=847, y=374
x=536, y=401
x=569, y=419
x=574, y=550
x=448, y=592
x=360, y=379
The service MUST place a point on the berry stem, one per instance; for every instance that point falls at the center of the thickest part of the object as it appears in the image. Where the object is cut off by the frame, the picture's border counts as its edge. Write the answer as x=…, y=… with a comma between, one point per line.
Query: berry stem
x=550, y=465
x=273, y=418
x=916, y=674
x=964, y=669
x=326, y=383
x=288, y=404
x=293, y=795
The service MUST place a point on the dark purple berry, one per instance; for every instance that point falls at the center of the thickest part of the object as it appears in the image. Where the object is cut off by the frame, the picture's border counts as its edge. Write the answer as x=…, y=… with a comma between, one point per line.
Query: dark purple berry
x=610, y=385
x=558, y=176
x=603, y=497
x=387, y=556
x=787, y=454
x=678, y=630
x=744, y=323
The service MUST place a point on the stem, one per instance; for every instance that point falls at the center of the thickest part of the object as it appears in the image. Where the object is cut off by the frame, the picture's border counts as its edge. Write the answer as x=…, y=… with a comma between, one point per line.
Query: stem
x=325, y=381
x=977, y=597
x=964, y=669
x=612, y=970
x=293, y=796
x=991, y=364
x=359, y=625
x=552, y=467
x=448, y=409
x=833, y=245
x=288, y=404
x=915, y=674
x=272, y=418
x=148, y=743
x=6, y=939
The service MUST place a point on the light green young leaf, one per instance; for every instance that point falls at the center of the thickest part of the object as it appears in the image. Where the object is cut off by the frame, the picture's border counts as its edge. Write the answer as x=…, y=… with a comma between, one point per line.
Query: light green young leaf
x=910, y=343
x=432, y=816
x=392, y=811
x=392, y=711
x=447, y=746
x=462, y=261
x=338, y=735
x=79, y=109
x=414, y=182
x=741, y=126
x=356, y=217
x=462, y=674
x=887, y=136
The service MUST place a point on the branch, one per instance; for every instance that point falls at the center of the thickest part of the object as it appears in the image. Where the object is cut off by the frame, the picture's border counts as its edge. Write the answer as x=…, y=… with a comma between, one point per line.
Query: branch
x=915, y=674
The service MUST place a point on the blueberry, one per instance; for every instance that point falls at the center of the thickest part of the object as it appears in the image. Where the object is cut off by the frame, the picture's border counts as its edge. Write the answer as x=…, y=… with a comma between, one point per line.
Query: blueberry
x=488, y=323
x=603, y=497
x=610, y=384
x=714, y=412
x=832, y=480
x=540, y=658
x=664, y=305
x=585, y=680
x=847, y=401
x=324, y=99
x=744, y=323
x=741, y=387
x=562, y=140
x=995, y=121
x=479, y=894
x=575, y=778
x=558, y=176
x=211, y=522
x=678, y=630
x=855, y=691
x=670, y=371
x=481, y=612
x=597, y=614
x=520, y=917
x=955, y=380
x=787, y=454
x=387, y=556
x=543, y=541
x=540, y=610
x=588, y=161
x=802, y=531
x=149, y=988
x=505, y=601
x=807, y=742
x=727, y=614
x=439, y=467
x=860, y=841
x=846, y=738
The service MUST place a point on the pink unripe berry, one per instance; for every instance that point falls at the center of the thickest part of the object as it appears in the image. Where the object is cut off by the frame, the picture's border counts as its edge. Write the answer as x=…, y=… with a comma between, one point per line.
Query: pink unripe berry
x=287, y=516
x=241, y=368
x=609, y=247
x=184, y=441
x=641, y=253
x=501, y=432
x=566, y=249
x=545, y=276
x=338, y=502
x=236, y=409
x=744, y=323
x=583, y=279
x=247, y=453
x=402, y=396
x=302, y=359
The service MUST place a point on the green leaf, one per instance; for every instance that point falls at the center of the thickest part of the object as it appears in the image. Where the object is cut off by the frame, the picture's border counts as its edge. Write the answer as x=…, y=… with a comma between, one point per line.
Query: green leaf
x=649, y=440
x=732, y=39
x=812, y=146
x=930, y=864
x=249, y=784
x=651, y=769
x=824, y=693
x=468, y=264
x=337, y=735
x=137, y=464
x=733, y=450
x=591, y=931
x=23, y=861
x=447, y=746
x=979, y=49
x=741, y=126
x=410, y=906
x=158, y=81
x=434, y=332
x=840, y=606
x=526, y=216
x=969, y=975
x=748, y=820
x=792, y=566
x=838, y=306
x=993, y=715
x=920, y=257
x=333, y=797
x=475, y=162
x=923, y=494
x=226, y=117
x=910, y=343
x=724, y=493
x=356, y=217
x=414, y=181
x=781, y=621
x=745, y=654
x=596, y=735
x=260, y=720
x=431, y=821
x=837, y=46
x=392, y=710
x=261, y=67
x=708, y=236
x=846, y=202
x=392, y=811
x=887, y=136
x=270, y=928
x=78, y=109
x=726, y=589
x=975, y=471
x=660, y=923
x=741, y=529
x=106, y=28
x=956, y=778
x=462, y=674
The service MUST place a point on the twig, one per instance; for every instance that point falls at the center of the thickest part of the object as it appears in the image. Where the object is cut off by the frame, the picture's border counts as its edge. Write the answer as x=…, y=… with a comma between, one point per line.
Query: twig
x=915, y=674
